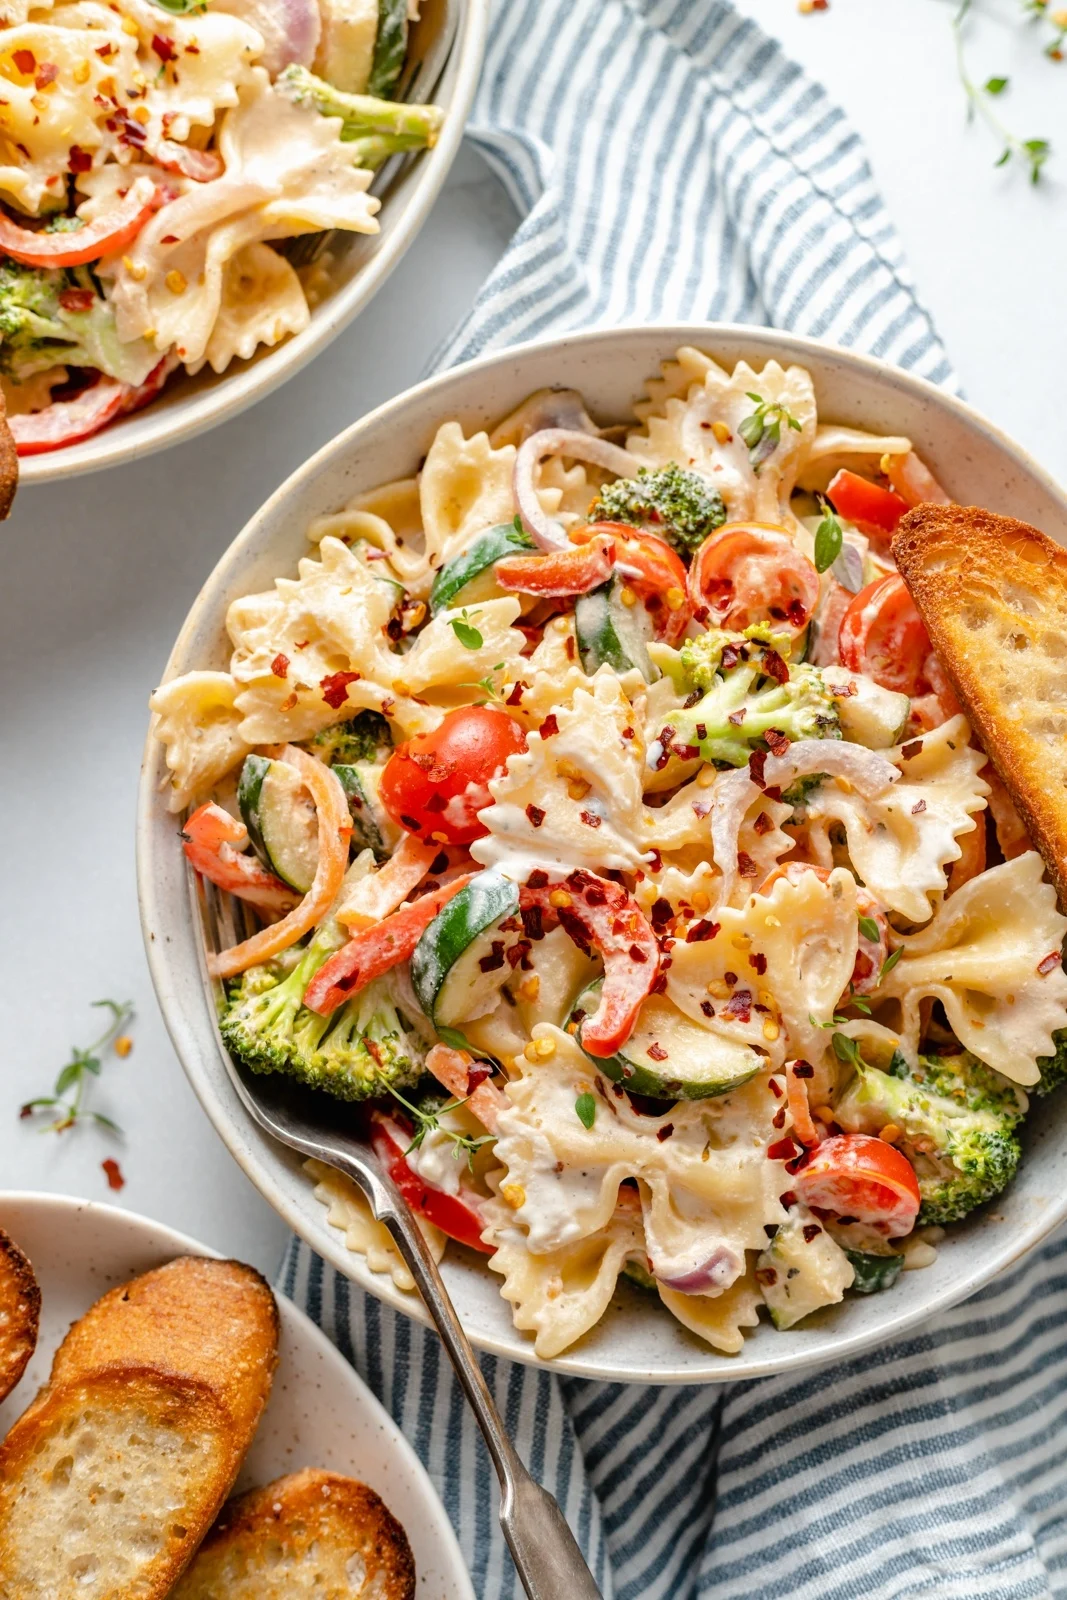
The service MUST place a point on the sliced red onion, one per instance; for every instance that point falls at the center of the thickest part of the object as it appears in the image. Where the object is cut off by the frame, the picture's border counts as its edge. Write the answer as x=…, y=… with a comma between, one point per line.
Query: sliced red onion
x=733, y=793
x=544, y=530
x=717, y=1272
x=289, y=29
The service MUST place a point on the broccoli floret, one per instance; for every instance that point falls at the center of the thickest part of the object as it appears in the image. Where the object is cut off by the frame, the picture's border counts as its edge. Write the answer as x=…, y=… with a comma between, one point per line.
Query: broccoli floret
x=349, y=1054
x=801, y=790
x=1053, y=1068
x=747, y=691
x=375, y=128
x=680, y=505
x=52, y=318
x=958, y=1118
x=365, y=737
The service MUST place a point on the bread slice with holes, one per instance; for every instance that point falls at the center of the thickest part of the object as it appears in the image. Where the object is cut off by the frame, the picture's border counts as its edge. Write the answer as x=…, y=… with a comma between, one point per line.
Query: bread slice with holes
x=312, y=1536
x=993, y=595
x=112, y=1476
x=20, y=1310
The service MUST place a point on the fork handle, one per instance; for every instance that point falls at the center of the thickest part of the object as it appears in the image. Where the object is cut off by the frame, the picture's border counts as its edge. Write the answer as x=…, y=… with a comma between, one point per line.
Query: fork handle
x=546, y=1554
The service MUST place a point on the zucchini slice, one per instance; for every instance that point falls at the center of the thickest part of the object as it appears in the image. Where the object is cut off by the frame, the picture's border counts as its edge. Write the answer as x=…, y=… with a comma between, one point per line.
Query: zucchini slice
x=280, y=817
x=469, y=577
x=670, y=1057
x=874, y=1273
x=459, y=965
x=372, y=826
x=802, y=1270
x=612, y=633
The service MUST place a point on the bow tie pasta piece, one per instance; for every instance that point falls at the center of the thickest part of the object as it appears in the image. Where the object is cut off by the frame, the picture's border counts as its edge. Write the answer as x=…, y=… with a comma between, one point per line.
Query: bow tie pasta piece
x=390, y=519
x=901, y=842
x=991, y=955
x=287, y=172
x=40, y=129
x=198, y=723
x=720, y=1320
x=551, y=674
x=261, y=303
x=314, y=650
x=349, y=1212
x=789, y=954
x=442, y=658
x=707, y=1185
x=684, y=431
x=835, y=447
x=464, y=488
x=574, y=798
x=561, y=1295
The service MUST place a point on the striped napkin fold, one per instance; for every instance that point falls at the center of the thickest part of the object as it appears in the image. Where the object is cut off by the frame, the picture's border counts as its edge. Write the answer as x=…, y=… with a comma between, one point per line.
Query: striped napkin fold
x=671, y=164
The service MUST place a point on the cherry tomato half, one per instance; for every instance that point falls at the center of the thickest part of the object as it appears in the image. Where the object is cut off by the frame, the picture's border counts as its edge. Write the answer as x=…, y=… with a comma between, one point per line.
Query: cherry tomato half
x=435, y=785
x=883, y=636
x=855, y=1175
x=748, y=573
x=656, y=574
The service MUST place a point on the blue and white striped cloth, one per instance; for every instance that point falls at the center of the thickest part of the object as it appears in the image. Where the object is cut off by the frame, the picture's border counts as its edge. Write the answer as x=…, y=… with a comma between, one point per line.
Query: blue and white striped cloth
x=670, y=163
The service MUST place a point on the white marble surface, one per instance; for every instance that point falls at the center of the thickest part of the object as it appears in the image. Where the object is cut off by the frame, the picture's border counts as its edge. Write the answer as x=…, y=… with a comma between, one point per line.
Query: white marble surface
x=98, y=574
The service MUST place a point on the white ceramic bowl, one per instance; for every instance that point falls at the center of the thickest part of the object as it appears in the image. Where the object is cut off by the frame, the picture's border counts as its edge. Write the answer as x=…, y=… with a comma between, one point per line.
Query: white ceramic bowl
x=320, y=1412
x=189, y=406
x=637, y=1340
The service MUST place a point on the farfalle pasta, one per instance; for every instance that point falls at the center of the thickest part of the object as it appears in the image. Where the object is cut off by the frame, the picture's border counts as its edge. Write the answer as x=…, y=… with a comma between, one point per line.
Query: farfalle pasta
x=662, y=940
x=153, y=161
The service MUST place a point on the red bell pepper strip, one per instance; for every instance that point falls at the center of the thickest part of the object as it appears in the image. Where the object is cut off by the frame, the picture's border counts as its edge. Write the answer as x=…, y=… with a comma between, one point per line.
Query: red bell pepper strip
x=68, y=421
x=561, y=572
x=104, y=236
x=208, y=839
x=873, y=510
x=457, y=1215
x=602, y=916
x=913, y=480
x=376, y=950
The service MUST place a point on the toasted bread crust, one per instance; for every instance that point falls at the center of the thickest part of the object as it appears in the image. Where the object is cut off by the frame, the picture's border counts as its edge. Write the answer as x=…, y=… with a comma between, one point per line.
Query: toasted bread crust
x=335, y=1535
x=216, y=1320
x=992, y=592
x=9, y=463
x=166, y=1377
x=20, y=1310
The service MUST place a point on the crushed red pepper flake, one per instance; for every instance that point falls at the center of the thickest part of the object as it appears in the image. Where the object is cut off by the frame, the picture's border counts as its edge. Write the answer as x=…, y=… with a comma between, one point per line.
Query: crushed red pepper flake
x=280, y=665
x=746, y=867
x=665, y=1132
x=782, y=1149
x=590, y=819
x=535, y=816
x=759, y=961
x=549, y=726
x=908, y=751
x=697, y=932
x=335, y=688
x=115, y=1180
x=656, y=1051
x=763, y=823
x=1048, y=963
x=776, y=741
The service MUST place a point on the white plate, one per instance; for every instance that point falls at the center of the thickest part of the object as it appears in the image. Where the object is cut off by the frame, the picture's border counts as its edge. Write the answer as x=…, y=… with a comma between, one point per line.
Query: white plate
x=320, y=1414
x=637, y=1340
x=189, y=406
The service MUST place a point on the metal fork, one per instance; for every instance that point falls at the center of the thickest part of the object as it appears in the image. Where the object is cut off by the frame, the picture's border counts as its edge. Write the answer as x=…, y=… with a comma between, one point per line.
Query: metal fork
x=430, y=44
x=545, y=1552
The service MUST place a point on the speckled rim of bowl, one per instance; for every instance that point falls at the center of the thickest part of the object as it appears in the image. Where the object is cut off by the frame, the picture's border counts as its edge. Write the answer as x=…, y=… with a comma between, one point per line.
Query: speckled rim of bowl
x=147, y=1243
x=193, y=405
x=636, y=1341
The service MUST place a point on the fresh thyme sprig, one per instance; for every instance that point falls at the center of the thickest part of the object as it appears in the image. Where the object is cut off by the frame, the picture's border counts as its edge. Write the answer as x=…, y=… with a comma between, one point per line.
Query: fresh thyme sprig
x=66, y=1099
x=465, y=631
x=488, y=685
x=430, y=1122
x=762, y=431
x=1032, y=152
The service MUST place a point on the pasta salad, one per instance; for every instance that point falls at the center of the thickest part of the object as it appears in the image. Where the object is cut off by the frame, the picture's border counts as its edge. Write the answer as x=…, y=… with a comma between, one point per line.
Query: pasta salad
x=623, y=857
x=154, y=155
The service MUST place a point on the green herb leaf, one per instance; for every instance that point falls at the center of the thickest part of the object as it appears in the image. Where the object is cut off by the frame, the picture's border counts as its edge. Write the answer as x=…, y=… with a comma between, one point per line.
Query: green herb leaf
x=845, y=1049
x=751, y=430
x=516, y=523
x=870, y=929
x=829, y=537
x=467, y=636
x=430, y=1121
x=1038, y=152
x=585, y=1107
x=890, y=962
x=995, y=85
x=1004, y=159
x=182, y=8
x=73, y=1078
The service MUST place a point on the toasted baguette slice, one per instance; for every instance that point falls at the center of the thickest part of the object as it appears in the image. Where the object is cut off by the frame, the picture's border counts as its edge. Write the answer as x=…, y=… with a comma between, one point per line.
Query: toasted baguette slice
x=993, y=595
x=314, y=1534
x=113, y=1475
x=20, y=1310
